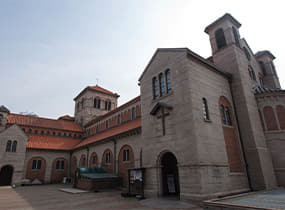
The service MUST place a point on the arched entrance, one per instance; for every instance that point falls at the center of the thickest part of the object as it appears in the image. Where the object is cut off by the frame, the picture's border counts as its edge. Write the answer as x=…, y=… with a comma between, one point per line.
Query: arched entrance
x=169, y=172
x=6, y=175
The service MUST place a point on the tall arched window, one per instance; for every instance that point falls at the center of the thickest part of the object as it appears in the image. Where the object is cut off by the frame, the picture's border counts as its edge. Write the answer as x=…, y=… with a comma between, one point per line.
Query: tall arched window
x=228, y=116
x=262, y=66
x=236, y=36
x=223, y=114
x=107, y=124
x=246, y=53
x=109, y=105
x=99, y=103
x=220, y=38
x=155, y=87
x=8, y=146
x=161, y=84
x=168, y=82
x=14, y=146
x=106, y=105
x=205, y=110
x=95, y=103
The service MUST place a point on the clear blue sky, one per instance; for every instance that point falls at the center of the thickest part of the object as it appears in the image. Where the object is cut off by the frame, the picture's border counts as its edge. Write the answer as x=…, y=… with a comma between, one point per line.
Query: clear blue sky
x=51, y=50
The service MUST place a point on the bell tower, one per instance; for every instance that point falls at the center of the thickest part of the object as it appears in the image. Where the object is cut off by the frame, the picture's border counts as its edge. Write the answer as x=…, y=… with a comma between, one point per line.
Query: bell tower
x=92, y=102
x=3, y=117
x=234, y=56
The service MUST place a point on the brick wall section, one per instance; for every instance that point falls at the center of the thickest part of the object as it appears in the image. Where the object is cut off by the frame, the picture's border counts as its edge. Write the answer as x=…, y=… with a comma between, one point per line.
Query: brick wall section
x=58, y=174
x=109, y=167
x=36, y=173
x=280, y=110
x=124, y=165
x=91, y=164
x=269, y=118
x=73, y=165
x=230, y=137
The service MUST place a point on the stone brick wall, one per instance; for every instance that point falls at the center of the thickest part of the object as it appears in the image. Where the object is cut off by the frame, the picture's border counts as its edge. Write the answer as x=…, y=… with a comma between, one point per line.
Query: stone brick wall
x=14, y=159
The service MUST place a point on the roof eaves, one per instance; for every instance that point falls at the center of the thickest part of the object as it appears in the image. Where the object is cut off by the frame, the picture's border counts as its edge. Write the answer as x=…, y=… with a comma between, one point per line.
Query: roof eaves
x=225, y=16
x=210, y=64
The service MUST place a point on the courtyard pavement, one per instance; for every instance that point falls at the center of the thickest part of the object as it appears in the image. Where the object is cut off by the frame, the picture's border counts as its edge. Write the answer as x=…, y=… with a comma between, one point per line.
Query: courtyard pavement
x=49, y=197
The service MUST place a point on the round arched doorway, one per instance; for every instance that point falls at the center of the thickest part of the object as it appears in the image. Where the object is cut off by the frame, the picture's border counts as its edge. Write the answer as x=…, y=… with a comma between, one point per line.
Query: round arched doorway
x=6, y=175
x=170, y=177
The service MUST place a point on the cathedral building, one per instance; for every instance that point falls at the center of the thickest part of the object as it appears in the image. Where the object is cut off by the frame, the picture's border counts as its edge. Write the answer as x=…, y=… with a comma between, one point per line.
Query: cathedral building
x=201, y=127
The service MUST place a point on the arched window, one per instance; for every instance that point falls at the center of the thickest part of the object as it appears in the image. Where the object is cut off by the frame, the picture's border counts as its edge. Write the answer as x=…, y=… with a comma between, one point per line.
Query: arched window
x=42, y=132
x=126, y=155
x=48, y=132
x=59, y=165
x=109, y=105
x=14, y=146
x=37, y=164
x=155, y=87
x=236, y=36
x=8, y=146
x=106, y=105
x=53, y=133
x=161, y=84
x=220, y=38
x=205, y=110
x=30, y=130
x=97, y=128
x=262, y=66
x=228, y=116
x=99, y=103
x=223, y=114
x=119, y=119
x=133, y=113
x=36, y=131
x=95, y=103
x=246, y=53
x=251, y=73
x=108, y=157
x=168, y=82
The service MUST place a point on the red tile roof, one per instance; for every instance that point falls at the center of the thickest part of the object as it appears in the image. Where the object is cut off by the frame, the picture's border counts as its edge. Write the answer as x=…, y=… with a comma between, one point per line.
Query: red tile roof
x=66, y=117
x=24, y=120
x=51, y=142
x=98, y=89
x=112, y=132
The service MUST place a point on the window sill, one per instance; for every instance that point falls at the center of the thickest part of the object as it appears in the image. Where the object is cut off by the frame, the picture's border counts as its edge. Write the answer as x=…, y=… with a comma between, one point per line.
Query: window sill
x=208, y=121
x=162, y=97
x=126, y=161
x=228, y=126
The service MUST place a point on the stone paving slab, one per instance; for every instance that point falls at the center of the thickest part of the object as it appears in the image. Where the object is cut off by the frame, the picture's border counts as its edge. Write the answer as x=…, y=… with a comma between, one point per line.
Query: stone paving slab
x=274, y=199
x=72, y=190
x=49, y=197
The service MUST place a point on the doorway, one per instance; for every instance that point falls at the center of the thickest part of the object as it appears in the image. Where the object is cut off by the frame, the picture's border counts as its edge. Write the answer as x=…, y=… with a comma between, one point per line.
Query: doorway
x=6, y=175
x=170, y=177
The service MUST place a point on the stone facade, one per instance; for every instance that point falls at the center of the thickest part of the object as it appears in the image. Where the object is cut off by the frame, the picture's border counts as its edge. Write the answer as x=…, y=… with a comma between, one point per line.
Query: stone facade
x=200, y=128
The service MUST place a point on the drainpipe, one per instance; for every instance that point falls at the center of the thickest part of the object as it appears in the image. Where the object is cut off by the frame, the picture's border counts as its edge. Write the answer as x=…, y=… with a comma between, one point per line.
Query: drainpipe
x=69, y=169
x=115, y=158
x=241, y=140
x=87, y=157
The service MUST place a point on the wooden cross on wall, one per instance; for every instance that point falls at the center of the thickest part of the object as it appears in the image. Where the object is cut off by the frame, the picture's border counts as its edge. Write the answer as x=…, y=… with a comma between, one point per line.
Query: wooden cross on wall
x=164, y=112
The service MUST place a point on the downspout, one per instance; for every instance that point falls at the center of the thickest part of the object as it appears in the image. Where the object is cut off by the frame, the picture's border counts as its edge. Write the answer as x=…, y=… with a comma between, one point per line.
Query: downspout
x=241, y=140
x=115, y=158
x=69, y=169
x=87, y=158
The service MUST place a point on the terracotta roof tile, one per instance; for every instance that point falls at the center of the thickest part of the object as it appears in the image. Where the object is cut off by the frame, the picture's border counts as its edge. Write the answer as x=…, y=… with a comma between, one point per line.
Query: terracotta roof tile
x=112, y=132
x=51, y=142
x=43, y=122
x=100, y=89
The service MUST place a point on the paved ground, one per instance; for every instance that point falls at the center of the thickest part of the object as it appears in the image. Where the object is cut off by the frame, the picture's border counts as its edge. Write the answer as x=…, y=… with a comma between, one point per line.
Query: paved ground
x=49, y=197
x=271, y=199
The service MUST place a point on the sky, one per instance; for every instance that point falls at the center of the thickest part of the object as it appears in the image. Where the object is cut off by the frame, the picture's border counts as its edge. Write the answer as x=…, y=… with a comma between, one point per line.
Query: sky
x=52, y=49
